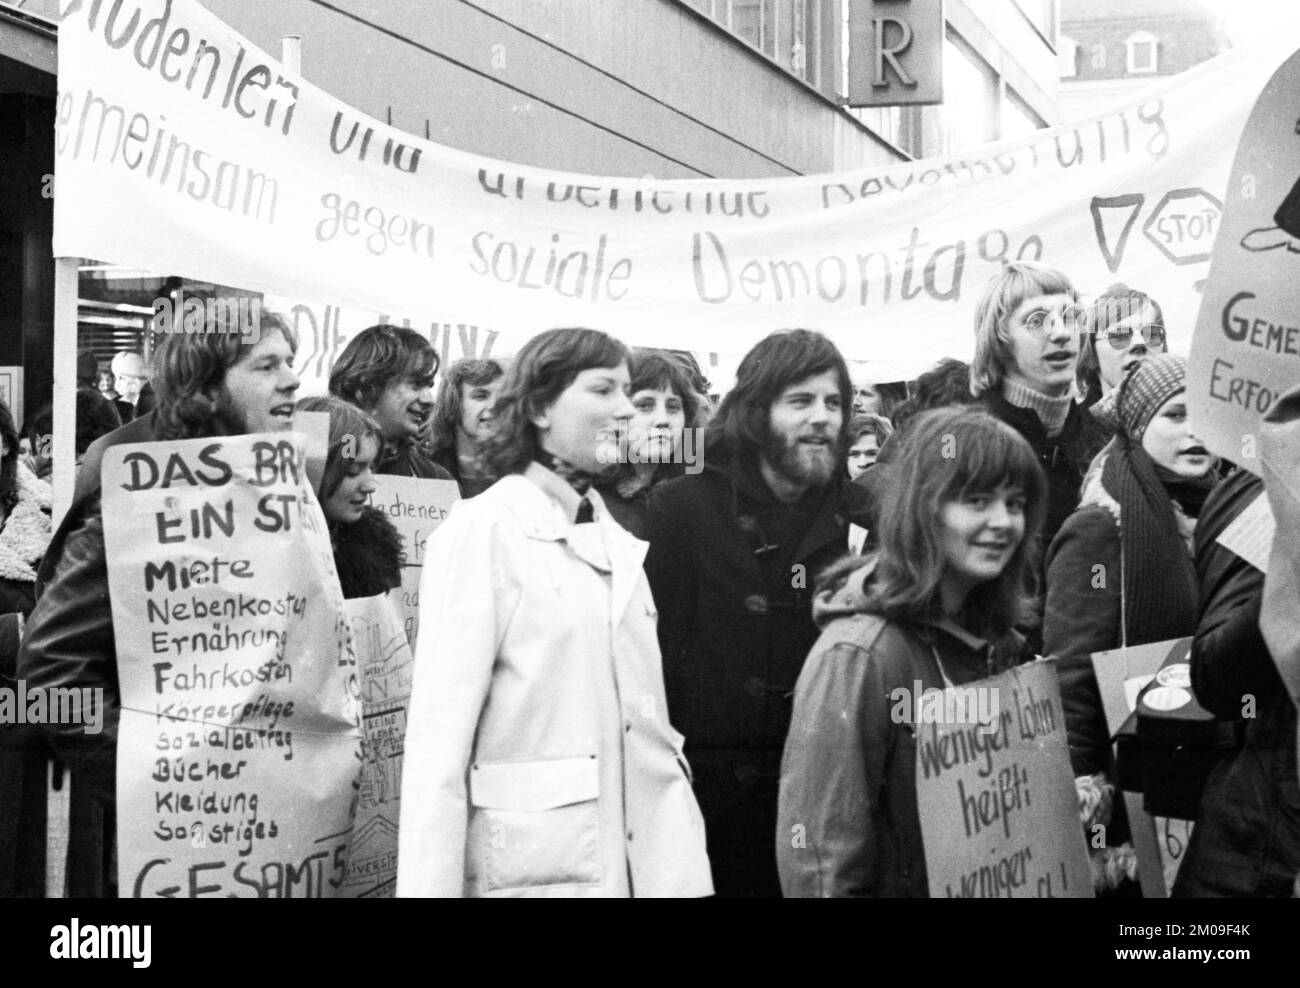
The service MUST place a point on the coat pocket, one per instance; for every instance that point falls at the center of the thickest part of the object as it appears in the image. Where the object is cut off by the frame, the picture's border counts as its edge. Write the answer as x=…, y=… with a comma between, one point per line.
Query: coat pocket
x=536, y=823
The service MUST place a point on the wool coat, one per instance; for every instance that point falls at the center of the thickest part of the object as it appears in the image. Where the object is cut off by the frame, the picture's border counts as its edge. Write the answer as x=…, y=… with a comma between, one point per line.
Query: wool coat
x=539, y=756
x=733, y=571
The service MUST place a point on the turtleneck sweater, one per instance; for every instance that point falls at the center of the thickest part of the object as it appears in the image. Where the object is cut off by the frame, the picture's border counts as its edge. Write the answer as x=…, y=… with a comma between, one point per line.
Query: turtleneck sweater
x=1052, y=412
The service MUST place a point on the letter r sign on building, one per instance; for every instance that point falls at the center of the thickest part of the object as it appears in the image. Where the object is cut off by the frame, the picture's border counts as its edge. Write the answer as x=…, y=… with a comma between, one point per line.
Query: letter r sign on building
x=895, y=52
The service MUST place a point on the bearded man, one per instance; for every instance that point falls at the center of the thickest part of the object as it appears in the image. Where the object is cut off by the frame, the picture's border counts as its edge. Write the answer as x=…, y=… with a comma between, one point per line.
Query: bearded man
x=733, y=554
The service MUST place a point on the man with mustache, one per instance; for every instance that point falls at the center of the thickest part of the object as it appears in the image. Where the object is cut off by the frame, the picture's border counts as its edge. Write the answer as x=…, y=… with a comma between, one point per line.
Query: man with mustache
x=733, y=554
x=387, y=372
x=212, y=383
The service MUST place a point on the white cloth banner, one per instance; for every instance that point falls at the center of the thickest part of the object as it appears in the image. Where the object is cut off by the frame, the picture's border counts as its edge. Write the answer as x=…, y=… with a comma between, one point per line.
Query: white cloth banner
x=184, y=149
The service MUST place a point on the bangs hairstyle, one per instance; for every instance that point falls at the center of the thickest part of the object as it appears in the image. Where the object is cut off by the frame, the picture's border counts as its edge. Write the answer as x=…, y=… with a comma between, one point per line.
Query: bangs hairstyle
x=742, y=425
x=188, y=366
x=349, y=428
x=541, y=371
x=870, y=424
x=447, y=406
x=1003, y=294
x=376, y=357
x=946, y=455
x=1113, y=306
x=662, y=371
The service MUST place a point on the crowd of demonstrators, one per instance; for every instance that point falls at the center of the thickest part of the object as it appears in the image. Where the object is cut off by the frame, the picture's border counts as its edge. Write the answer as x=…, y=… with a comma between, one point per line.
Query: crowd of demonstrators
x=462, y=421
x=1120, y=573
x=538, y=756
x=209, y=384
x=367, y=548
x=733, y=553
x=388, y=372
x=934, y=608
x=664, y=406
x=593, y=594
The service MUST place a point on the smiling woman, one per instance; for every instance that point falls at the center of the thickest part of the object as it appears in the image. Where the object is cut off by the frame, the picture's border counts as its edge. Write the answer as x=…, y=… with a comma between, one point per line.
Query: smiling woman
x=539, y=757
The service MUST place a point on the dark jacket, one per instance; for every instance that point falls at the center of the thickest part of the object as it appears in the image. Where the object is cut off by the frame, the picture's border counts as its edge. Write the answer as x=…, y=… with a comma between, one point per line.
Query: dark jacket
x=1246, y=841
x=367, y=555
x=406, y=460
x=449, y=461
x=1064, y=458
x=69, y=643
x=732, y=571
x=848, y=822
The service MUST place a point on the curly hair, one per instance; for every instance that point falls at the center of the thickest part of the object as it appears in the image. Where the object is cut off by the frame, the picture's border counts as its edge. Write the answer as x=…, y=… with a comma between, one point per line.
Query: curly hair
x=541, y=371
x=187, y=367
x=349, y=428
x=741, y=426
x=377, y=356
x=446, y=415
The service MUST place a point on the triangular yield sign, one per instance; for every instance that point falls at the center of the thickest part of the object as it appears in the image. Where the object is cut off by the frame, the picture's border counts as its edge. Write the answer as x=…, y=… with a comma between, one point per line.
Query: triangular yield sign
x=1107, y=213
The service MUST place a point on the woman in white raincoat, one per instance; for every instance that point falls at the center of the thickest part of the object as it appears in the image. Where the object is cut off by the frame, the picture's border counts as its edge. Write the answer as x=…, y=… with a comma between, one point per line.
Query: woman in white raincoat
x=538, y=758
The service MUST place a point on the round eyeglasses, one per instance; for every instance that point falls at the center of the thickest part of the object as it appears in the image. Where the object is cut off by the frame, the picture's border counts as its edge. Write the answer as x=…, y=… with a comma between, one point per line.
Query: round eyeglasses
x=1071, y=316
x=1120, y=339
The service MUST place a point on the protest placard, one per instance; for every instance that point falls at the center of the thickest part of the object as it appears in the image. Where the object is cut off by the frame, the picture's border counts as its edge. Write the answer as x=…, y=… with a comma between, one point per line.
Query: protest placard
x=1246, y=350
x=415, y=507
x=385, y=664
x=997, y=804
x=1159, y=842
x=239, y=744
x=263, y=181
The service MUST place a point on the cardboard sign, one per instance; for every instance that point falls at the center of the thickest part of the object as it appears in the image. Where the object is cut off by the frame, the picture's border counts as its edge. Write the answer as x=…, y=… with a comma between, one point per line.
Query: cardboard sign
x=239, y=743
x=999, y=814
x=180, y=146
x=416, y=508
x=1246, y=351
x=384, y=660
x=1159, y=842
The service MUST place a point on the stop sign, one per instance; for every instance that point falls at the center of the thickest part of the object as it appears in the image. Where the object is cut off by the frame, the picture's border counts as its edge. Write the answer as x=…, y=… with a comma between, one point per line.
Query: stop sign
x=1183, y=225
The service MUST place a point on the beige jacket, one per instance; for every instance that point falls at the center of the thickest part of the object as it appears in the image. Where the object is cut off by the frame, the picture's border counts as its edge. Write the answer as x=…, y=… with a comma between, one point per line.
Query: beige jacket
x=539, y=759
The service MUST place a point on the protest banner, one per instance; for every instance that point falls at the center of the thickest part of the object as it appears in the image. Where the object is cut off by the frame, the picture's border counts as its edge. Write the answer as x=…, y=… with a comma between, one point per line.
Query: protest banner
x=182, y=148
x=385, y=664
x=239, y=743
x=997, y=804
x=415, y=507
x=1246, y=351
x=1159, y=842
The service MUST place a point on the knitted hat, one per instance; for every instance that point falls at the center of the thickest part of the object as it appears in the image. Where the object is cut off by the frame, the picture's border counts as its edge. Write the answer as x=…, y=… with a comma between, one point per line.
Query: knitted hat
x=1148, y=386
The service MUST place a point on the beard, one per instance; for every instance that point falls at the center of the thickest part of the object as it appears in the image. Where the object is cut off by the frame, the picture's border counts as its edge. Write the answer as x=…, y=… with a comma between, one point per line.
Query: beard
x=801, y=463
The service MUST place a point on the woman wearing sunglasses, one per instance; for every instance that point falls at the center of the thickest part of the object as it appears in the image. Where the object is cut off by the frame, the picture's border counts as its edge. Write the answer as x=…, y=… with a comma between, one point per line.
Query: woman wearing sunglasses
x=1124, y=326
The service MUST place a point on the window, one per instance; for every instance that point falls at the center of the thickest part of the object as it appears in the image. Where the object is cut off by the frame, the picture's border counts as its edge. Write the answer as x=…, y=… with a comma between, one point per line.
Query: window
x=1142, y=52
x=1067, y=58
x=967, y=105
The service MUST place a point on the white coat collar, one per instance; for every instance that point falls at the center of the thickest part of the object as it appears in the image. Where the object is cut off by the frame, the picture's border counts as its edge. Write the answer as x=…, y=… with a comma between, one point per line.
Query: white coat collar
x=546, y=506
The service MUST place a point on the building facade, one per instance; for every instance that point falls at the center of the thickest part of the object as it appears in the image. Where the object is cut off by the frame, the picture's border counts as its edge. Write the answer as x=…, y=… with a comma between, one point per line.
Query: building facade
x=1112, y=49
